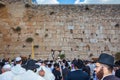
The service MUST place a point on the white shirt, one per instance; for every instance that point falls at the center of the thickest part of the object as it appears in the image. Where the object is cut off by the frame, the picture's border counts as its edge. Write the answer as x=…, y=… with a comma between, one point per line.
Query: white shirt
x=9, y=75
x=29, y=75
x=17, y=70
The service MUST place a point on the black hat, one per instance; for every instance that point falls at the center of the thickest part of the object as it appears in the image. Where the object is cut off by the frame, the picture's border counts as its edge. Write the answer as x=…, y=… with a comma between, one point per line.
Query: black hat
x=30, y=65
x=106, y=59
x=79, y=63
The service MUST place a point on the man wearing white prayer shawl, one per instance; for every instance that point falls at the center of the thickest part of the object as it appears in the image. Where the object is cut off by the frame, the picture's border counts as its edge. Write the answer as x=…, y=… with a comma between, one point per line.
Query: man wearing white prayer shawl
x=30, y=74
x=6, y=68
x=48, y=74
x=16, y=70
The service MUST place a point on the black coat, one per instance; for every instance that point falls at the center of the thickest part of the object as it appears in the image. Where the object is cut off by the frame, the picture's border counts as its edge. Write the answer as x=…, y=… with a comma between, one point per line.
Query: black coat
x=117, y=73
x=111, y=77
x=78, y=75
x=57, y=74
x=65, y=72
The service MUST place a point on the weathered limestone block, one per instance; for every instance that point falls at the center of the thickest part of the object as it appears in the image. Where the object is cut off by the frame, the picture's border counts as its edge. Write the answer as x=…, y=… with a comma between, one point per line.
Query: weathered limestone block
x=66, y=48
x=1, y=35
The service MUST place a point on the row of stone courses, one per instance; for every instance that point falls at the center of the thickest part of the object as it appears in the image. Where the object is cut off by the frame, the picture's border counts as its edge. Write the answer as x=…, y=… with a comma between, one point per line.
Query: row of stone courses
x=77, y=30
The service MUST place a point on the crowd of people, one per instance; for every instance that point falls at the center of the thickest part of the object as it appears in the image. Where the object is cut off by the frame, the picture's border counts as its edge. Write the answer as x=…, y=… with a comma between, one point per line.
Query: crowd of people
x=105, y=68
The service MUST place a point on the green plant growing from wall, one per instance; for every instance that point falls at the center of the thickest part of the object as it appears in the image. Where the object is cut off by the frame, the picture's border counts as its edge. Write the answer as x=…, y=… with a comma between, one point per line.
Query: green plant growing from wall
x=36, y=34
x=46, y=35
x=27, y=5
x=18, y=29
x=2, y=5
x=24, y=46
x=36, y=46
x=29, y=39
x=117, y=25
x=87, y=8
x=62, y=56
x=117, y=56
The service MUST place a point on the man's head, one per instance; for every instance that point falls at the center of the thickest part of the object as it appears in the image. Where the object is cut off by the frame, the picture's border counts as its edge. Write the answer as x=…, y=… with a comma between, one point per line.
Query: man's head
x=104, y=65
x=18, y=60
x=102, y=69
x=78, y=64
x=106, y=59
x=6, y=68
x=42, y=72
x=31, y=65
x=56, y=66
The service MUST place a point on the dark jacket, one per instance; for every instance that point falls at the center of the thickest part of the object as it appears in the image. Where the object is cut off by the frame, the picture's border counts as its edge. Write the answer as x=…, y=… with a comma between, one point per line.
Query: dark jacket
x=65, y=72
x=57, y=74
x=78, y=75
x=111, y=77
x=117, y=73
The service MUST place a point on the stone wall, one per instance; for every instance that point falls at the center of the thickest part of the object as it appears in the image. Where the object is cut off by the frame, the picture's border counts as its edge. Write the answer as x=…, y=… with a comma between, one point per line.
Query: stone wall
x=82, y=31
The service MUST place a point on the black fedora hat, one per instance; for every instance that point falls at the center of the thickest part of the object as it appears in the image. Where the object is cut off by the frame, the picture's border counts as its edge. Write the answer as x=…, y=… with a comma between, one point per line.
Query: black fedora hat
x=107, y=59
x=30, y=65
